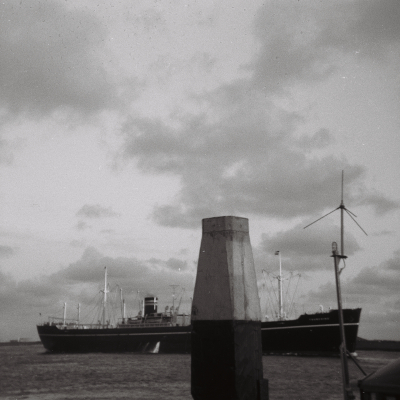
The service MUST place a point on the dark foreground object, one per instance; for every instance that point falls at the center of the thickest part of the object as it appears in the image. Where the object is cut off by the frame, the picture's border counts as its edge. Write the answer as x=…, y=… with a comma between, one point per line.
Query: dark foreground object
x=226, y=361
x=382, y=384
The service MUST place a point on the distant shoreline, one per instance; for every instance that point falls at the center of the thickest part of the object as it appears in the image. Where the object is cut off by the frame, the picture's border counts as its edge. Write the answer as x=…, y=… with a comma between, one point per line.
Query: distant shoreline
x=16, y=343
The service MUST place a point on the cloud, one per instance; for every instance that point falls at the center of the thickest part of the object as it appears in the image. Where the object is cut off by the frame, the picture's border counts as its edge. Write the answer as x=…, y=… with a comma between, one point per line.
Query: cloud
x=33, y=300
x=82, y=225
x=6, y=251
x=311, y=247
x=393, y=264
x=6, y=155
x=318, y=140
x=151, y=275
x=381, y=204
x=300, y=41
x=373, y=285
x=21, y=303
x=50, y=59
x=375, y=289
x=96, y=211
x=246, y=160
x=242, y=152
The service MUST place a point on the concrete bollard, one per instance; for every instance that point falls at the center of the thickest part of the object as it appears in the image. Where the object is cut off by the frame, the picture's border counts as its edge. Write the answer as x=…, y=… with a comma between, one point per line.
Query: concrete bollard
x=226, y=316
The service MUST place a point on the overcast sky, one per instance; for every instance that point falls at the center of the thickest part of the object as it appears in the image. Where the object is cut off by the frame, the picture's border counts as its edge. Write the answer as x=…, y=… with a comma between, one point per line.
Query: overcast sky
x=124, y=124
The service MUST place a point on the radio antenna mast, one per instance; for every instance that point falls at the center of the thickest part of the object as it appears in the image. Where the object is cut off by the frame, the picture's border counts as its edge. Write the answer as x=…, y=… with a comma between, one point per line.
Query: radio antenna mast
x=342, y=208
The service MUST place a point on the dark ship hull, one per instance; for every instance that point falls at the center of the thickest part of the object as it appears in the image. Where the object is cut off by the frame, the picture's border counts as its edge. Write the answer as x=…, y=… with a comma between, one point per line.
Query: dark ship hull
x=157, y=339
x=313, y=334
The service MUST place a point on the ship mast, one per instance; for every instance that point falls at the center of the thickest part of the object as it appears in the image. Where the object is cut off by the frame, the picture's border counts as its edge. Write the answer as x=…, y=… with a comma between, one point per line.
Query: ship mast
x=105, y=291
x=173, y=295
x=65, y=313
x=123, y=308
x=280, y=287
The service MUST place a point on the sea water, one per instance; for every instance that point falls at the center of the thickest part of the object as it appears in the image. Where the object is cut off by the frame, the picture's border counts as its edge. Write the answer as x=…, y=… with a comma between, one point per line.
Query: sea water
x=28, y=372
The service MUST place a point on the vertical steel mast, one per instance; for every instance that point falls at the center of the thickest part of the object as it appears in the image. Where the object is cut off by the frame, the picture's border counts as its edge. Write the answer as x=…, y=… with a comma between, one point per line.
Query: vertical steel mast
x=280, y=287
x=347, y=393
x=342, y=208
x=105, y=291
x=65, y=313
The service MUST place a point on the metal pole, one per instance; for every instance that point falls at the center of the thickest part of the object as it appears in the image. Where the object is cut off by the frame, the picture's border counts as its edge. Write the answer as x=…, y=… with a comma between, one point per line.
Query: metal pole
x=65, y=313
x=105, y=296
x=280, y=288
x=122, y=302
x=342, y=222
x=347, y=393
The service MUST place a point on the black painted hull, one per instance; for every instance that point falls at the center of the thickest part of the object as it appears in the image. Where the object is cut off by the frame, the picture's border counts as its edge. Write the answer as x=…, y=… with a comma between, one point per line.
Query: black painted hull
x=173, y=339
x=309, y=334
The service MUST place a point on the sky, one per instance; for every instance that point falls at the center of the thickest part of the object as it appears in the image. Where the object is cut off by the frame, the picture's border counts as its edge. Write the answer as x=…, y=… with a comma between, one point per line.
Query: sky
x=123, y=124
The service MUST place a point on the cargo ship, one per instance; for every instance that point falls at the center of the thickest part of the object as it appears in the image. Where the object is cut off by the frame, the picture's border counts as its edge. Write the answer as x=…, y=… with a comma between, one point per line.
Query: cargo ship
x=169, y=332
x=150, y=331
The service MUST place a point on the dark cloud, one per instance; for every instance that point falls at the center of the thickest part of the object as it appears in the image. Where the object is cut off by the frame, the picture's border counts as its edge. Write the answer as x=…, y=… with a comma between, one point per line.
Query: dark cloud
x=50, y=59
x=152, y=274
x=377, y=280
x=96, y=211
x=299, y=39
x=6, y=251
x=21, y=303
x=394, y=262
x=82, y=225
x=176, y=265
x=381, y=204
x=310, y=248
x=375, y=288
x=81, y=282
x=246, y=162
x=374, y=29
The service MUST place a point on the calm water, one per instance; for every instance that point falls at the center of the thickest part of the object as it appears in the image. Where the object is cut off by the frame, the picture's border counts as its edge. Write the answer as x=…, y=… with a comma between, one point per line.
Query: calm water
x=27, y=372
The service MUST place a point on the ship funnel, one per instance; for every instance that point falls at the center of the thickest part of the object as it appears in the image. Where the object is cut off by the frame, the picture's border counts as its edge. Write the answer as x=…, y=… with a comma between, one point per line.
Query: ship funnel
x=150, y=305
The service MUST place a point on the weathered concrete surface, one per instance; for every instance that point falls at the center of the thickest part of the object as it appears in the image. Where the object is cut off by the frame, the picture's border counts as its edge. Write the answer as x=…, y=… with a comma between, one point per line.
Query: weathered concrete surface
x=226, y=284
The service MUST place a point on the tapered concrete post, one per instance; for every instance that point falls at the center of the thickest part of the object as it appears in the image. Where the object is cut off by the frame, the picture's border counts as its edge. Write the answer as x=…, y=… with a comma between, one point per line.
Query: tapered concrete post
x=226, y=316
